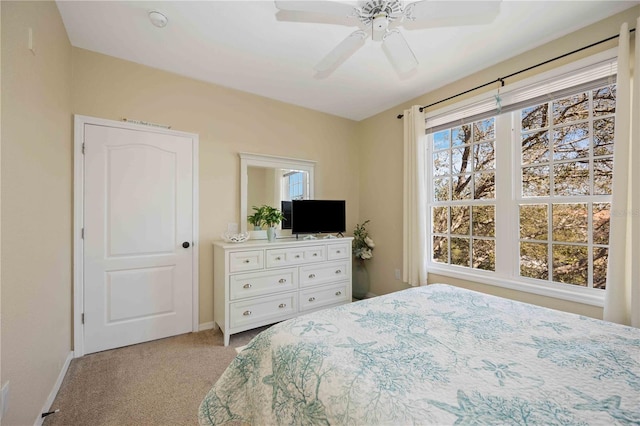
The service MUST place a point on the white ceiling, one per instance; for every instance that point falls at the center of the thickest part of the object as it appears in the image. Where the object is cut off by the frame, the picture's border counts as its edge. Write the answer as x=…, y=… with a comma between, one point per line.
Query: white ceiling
x=252, y=47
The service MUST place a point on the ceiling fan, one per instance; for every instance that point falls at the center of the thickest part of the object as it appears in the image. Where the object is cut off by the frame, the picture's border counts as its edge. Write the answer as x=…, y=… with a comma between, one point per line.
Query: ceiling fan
x=381, y=19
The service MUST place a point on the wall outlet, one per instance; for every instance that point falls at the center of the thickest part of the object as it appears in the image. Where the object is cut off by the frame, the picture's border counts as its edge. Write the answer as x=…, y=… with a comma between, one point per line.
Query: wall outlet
x=4, y=399
x=398, y=276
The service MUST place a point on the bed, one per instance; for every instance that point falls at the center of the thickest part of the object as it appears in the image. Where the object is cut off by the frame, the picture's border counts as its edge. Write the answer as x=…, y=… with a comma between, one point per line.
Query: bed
x=433, y=355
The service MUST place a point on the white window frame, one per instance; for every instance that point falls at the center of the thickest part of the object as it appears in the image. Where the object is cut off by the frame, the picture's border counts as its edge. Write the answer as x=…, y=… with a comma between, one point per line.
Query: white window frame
x=507, y=274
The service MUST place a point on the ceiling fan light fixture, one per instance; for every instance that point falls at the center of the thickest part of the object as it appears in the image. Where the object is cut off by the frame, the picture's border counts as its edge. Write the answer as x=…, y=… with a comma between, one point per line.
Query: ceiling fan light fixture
x=380, y=22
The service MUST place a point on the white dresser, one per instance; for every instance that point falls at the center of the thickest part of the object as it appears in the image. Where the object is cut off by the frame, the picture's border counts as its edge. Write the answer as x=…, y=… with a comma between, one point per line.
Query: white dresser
x=258, y=283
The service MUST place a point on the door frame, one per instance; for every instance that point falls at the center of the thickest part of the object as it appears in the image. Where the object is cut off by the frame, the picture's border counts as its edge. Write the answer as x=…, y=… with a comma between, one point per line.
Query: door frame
x=78, y=218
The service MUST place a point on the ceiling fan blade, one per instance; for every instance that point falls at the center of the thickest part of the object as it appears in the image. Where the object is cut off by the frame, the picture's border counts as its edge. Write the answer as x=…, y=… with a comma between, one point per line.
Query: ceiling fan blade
x=399, y=53
x=323, y=7
x=342, y=51
x=454, y=12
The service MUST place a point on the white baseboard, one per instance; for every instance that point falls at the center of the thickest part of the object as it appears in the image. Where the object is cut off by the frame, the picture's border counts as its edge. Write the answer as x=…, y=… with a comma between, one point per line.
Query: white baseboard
x=54, y=391
x=206, y=326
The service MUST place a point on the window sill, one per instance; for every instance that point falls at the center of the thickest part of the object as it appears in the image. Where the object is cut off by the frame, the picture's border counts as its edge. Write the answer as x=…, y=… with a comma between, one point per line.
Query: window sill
x=587, y=296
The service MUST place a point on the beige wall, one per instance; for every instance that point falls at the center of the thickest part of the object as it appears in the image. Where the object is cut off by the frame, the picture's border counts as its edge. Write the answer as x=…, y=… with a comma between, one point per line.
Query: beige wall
x=381, y=157
x=228, y=122
x=36, y=212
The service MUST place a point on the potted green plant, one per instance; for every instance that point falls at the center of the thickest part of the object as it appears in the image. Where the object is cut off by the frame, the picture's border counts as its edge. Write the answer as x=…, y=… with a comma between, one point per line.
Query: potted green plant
x=255, y=219
x=269, y=217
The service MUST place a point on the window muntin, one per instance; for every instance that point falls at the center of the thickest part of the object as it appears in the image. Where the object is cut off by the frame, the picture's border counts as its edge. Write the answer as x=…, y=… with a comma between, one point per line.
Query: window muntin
x=559, y=185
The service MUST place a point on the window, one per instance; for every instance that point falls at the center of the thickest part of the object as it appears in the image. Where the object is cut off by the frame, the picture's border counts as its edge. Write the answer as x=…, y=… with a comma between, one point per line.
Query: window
x=566, y=171
x=463, y=212
x=522, y=197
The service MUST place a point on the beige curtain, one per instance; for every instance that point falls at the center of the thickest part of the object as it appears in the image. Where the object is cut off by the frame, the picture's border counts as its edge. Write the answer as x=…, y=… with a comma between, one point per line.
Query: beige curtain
x=622, y=298
x=414, y=224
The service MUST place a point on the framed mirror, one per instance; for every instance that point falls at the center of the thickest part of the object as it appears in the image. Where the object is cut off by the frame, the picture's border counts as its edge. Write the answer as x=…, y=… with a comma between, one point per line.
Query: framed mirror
x=266, y=179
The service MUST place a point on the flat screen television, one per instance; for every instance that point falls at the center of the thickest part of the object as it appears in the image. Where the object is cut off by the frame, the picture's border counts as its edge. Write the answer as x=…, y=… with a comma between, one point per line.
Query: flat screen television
x=286, y=211
x=318, y=216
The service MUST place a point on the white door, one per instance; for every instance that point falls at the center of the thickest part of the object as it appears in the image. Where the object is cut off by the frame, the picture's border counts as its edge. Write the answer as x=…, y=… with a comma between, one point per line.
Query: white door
x=138, y=233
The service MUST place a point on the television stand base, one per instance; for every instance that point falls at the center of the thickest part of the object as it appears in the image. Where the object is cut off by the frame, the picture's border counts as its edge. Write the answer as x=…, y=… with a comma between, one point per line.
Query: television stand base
x=310, y=237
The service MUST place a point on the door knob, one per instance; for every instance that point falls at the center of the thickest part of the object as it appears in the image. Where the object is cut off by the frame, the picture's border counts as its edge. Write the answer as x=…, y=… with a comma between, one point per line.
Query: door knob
x=186, y=244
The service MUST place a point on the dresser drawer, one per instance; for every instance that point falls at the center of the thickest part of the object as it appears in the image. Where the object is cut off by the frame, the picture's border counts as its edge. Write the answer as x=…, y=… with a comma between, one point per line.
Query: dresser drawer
x=318, y=297
x=264, y=282
x=338, y=251
x=240, y=261
x=277, y=258
x=324, y=273
x=263, y=309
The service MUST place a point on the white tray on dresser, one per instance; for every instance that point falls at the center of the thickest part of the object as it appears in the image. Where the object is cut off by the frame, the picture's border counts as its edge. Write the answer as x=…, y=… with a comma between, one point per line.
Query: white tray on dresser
x=258, y=283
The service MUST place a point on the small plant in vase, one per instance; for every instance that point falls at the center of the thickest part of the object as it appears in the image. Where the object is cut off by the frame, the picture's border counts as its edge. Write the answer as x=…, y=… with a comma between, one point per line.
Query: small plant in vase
x=362, y=250
x=267, y=216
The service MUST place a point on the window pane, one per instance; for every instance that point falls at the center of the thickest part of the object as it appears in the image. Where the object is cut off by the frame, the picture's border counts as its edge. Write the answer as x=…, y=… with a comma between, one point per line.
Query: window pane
x=535, y=117
x=600, y=258
x=441, y=189
x=461, y=160
x=460, y=251
x=572, y=108
x=603, y=132
x=441, y=249
x=461, y=187
x=570, y=264
x=570, y=223
x=535, y=147
x=571, y=178
x=602, y=176
x=604, y=101
x=533, y=261
x=483, y=130
x=601, y=219
x=571, y=142
x=461, y=135
x=460, y=218
x=485, y=186
x=484, y=254
x=440, y=220
x=441, y=163
x=484, y=221
x=484, y=156
x=441, y=140
x=535, y=181
x=534, y=222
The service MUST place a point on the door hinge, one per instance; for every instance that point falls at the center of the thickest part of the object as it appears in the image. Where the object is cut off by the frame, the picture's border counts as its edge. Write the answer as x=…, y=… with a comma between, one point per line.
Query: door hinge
x=82, y=234
x=82, y=318
x=83, y=147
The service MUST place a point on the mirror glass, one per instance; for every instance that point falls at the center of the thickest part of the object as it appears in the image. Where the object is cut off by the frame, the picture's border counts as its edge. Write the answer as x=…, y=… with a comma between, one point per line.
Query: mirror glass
x=266, y=179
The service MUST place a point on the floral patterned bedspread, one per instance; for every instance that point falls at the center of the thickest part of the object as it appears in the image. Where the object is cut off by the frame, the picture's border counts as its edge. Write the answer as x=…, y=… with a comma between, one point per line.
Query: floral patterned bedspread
x=433, y=355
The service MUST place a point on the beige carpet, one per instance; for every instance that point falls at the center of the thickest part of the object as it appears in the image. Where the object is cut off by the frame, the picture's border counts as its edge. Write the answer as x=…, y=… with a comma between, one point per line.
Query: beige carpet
x=155, y=383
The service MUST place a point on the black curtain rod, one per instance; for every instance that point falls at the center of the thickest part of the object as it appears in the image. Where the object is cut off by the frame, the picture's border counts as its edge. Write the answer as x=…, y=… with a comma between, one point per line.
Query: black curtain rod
x=501, y=79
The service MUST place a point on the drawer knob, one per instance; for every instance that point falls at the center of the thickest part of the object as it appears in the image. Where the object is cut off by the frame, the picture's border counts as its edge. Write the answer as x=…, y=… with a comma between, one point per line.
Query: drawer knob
x=278, y=258
x=338, y=293
x=312, y=276
x=338, y=251
x=282, y=281
x=246, y=285
x=282, y=305
x=338, y=271
x=246, y=261
x=297, y=256
x=246, y=313
x=312, y=299
x=315, y=254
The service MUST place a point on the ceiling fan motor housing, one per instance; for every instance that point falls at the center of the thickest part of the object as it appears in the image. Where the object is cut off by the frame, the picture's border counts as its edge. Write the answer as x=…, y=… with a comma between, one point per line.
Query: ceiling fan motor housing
x=379, y=13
